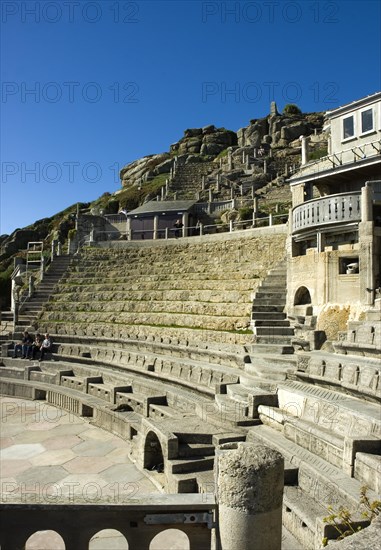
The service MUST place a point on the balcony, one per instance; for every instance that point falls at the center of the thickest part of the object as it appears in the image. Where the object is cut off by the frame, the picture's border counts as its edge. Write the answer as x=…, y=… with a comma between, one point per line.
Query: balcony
x=343, y=208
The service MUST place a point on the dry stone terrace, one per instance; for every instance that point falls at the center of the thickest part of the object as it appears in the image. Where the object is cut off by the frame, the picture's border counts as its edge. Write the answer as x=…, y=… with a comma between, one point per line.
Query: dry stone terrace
x=152, y=344
x=184, y=285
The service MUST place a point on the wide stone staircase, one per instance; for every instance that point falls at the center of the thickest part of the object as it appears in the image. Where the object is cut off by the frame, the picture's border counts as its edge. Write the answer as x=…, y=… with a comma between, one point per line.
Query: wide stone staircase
x=187, y=181
x=31, y=307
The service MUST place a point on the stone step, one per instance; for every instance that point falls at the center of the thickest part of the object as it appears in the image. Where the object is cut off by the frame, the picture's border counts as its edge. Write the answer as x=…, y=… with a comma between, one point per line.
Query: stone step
x=195, y=449
x=169, y=319
x=268, y=308
x=192, y=438
x=300, y=513
x=273, y=330
x=273, y=283
x=191, y=464
x=274, y=339
x=274, y=348
x=269, y=316
x=131, y=307
x=270, y=322
x=269, y=300
x=327, y=483
x=237, y=409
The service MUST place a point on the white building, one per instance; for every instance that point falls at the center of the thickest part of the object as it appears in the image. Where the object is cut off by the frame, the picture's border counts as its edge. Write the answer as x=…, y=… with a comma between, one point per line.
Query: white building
x=335, y=229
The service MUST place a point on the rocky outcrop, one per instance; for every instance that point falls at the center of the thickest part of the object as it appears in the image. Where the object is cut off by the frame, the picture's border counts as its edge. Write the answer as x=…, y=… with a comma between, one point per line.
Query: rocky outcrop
x=142, y=169
x=279, y=130
x=207, y=141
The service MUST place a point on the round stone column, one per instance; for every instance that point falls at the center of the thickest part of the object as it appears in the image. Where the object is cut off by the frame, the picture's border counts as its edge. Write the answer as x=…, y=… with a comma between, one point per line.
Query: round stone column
x=250, y=490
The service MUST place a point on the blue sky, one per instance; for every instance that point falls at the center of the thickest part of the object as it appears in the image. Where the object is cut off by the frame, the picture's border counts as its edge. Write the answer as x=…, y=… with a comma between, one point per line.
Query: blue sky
x=89, y=86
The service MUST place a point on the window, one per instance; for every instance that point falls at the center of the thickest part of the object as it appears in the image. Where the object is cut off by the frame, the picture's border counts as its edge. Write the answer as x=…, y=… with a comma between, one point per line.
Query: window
x=348, y=127
x=367, y=121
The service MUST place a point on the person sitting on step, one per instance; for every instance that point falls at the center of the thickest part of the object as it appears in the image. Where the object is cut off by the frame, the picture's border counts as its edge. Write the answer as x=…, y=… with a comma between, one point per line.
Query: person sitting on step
x=24, y=346
x=45, y=346
x=36, y=345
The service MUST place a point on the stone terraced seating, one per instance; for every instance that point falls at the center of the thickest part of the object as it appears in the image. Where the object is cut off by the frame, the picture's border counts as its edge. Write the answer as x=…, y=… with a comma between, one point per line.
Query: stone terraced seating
x=363, y=339
x=206, y=376
x=125, y=409
x=180, y=285
x=332, y=425
x=358, y=375
x=319, y=485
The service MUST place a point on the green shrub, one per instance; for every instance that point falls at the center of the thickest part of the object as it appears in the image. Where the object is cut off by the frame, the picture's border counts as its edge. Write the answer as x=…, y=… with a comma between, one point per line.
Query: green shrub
x=291, y=109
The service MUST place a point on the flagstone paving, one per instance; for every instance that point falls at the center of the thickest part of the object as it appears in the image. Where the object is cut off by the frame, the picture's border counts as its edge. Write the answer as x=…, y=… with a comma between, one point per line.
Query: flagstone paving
x=50, y=455
x=46, y=451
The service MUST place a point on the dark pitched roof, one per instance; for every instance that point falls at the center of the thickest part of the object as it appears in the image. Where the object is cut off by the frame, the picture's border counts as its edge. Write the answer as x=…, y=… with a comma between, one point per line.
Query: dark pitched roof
x=153, y=207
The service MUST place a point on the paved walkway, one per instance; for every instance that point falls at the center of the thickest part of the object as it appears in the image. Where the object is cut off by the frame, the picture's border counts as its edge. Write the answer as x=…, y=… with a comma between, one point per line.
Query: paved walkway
x=50, y=455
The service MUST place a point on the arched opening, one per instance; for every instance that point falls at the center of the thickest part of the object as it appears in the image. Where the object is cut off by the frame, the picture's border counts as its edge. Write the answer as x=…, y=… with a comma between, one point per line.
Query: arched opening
x=45, y=540
x=108, y=538
x=153, y=454
x=170, y=538
x=302, y=296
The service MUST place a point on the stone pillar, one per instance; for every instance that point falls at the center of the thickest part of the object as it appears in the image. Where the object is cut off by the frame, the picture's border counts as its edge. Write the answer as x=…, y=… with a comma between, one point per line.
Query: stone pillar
x=367, y=203
x=59, y=249
x=185, y=221
x=53, y=250
x=31, y=286
x=297, y=192
x=42, y=268
x=369, y=270
x=16, y=307
x=155, y=225
x=273, y=109
x=203, y=183
x=210, y=195
x=265, y=166
x=230, y=160
x=249, y=479
x=305, y=140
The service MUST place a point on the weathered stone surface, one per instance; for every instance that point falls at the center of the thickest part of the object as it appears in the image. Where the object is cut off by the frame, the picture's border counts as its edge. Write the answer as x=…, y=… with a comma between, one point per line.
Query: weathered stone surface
x=250, y=477
x=367, y=539
x=206, y=141
x=135, y=171
x=250, y=489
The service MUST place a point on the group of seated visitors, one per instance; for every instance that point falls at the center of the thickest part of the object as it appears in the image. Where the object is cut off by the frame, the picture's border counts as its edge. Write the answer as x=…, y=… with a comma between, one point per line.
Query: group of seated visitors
x=29, y=347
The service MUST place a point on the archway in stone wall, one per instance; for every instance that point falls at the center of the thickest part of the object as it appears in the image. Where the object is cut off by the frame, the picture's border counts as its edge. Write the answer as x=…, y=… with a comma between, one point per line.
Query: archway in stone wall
x=153, y=453
x=302, y=296
x=108, y=538
x=45, y=540
x=170, y=538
